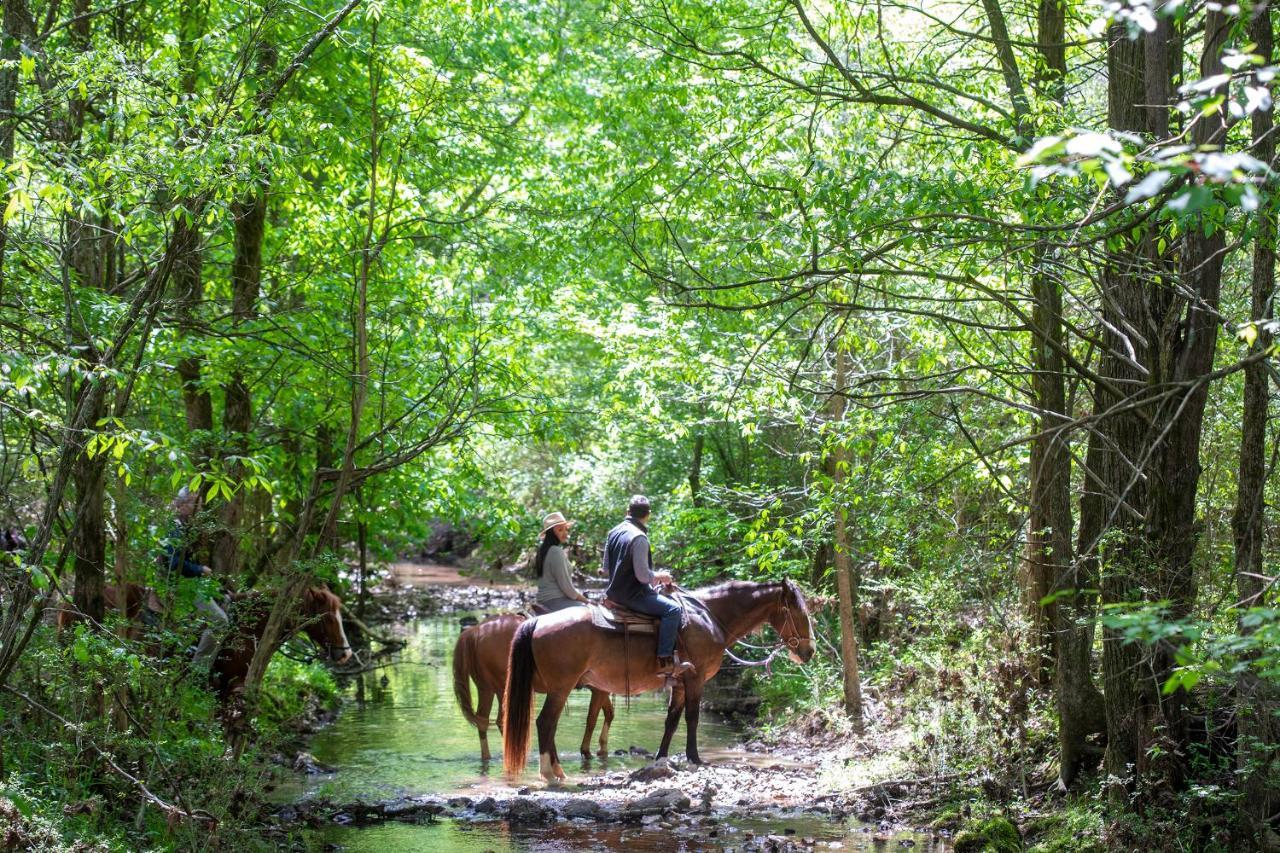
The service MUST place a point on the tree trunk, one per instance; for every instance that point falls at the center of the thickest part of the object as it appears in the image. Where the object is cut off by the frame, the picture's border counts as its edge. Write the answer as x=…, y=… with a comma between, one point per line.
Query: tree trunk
x=84, y=261
x=846, y=590
x=1156, y=338
x=1257, y=699
x=695, y=470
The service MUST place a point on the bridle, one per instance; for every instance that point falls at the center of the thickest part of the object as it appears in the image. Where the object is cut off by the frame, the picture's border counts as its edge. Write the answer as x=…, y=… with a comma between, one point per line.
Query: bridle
x=786, y=643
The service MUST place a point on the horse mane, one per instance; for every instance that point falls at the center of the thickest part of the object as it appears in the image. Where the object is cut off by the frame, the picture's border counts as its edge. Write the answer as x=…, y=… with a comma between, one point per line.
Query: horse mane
x=758, y=589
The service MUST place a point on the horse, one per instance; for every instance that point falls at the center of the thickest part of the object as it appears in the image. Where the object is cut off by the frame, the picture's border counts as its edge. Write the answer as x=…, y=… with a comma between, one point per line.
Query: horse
x=480, y=655
x=553, y=653
x=320, y=619
x=142, y=608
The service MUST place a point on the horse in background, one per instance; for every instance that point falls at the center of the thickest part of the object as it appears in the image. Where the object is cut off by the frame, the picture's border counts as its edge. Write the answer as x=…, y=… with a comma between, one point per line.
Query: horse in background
x=142, y=609
x=481, y=655
x=556, y=652
x=320, y=618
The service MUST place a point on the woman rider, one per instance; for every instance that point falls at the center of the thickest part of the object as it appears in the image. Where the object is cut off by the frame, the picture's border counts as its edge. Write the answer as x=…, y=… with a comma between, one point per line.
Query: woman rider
x=555, y=582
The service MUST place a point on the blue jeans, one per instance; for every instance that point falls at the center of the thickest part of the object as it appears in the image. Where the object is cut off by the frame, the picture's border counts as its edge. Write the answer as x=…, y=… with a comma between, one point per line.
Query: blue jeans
x=666, y=610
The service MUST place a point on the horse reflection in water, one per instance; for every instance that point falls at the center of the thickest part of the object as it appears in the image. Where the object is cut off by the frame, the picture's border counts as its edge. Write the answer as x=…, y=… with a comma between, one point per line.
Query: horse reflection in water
x=554, y=653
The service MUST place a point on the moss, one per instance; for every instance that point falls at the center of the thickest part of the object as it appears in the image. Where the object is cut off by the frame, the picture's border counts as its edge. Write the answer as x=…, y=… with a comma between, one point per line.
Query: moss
x=1075, y=830
x=949, y=818
x=994, y=835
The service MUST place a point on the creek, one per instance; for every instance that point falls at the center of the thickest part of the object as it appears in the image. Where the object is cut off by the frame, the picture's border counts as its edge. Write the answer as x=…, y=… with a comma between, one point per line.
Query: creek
x=400, y=735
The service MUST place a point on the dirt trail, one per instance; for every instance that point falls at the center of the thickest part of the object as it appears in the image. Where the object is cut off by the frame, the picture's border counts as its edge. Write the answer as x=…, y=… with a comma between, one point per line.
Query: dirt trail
x=427, y=575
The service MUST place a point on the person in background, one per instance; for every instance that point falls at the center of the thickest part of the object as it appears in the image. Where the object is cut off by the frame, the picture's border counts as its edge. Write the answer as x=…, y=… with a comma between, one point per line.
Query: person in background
x=176, y=559
x=555, y=580
x=628, y=561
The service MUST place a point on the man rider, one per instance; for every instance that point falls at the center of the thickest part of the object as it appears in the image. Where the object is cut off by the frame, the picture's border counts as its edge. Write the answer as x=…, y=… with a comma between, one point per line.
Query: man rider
x=628, y=562
x=175, y=558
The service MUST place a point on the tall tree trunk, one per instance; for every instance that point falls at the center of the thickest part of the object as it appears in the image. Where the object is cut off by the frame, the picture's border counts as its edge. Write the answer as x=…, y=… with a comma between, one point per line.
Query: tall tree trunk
x=250, y=213
x=1068, y=619
x=237, y=417
x=1156, y=338
x=1118, y=446
x=16, y=25
x=846, y=589
x=188, y=278
x=276, y=627
x=84, y=260
x=695, y=470
x=1258, y=701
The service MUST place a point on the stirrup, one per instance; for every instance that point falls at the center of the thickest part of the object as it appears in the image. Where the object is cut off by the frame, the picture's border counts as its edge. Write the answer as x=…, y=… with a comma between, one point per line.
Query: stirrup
x=673, y=669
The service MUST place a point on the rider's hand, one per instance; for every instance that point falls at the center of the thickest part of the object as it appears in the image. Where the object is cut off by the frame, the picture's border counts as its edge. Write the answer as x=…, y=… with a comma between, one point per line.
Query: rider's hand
x=206, y=572
x=663, y=578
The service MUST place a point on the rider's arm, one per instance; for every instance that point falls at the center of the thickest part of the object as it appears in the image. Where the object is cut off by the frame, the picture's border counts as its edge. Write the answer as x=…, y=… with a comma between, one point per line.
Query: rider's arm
x=175, y=556
x=640, y=559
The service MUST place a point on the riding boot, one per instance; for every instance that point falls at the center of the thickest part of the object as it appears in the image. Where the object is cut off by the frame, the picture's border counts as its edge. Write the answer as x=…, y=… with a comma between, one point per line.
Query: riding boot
x=671, y=668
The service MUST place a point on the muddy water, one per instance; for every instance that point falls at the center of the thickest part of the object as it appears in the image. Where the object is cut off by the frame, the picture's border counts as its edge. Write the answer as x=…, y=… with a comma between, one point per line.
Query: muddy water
x=401, y=734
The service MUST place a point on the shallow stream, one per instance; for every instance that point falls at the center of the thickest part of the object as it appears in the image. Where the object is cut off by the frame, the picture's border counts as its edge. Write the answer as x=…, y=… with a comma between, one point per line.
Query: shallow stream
x=401, y=734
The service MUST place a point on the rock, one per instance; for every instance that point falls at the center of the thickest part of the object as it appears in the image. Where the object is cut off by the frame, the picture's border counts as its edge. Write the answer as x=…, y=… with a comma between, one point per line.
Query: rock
x=459, y=802
x=580, y=807
x=650, y=819
x=486, y=806
x=412, y=808
x=305, y=762
x=525, y=810
x=662, y=800
x=660, y=769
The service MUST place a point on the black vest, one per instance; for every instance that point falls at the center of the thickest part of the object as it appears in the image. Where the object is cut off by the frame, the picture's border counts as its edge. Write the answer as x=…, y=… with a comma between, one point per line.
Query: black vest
x=623, y=585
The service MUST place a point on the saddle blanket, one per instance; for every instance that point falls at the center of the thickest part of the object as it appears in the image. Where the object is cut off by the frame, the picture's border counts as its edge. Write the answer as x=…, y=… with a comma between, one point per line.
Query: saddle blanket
x=610, y=619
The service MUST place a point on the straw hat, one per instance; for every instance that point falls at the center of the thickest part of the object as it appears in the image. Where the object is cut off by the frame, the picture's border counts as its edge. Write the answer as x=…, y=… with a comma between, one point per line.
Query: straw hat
x=554, y=519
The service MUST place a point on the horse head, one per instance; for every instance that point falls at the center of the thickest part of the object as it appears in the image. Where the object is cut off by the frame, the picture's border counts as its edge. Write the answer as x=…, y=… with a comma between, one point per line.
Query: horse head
x=790, y=618
x=322, y=621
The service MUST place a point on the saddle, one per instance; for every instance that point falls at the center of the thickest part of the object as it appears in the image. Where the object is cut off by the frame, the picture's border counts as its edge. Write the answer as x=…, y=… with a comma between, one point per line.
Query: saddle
x=612, y=616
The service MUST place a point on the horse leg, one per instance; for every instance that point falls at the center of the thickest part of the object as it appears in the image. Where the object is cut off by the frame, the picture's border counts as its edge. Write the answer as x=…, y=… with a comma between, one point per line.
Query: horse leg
x=674, y=707
x=548, y=719
x=606, y=704
x=498, y=720
x=692, y=708
x=482, y=713
x=592, y=713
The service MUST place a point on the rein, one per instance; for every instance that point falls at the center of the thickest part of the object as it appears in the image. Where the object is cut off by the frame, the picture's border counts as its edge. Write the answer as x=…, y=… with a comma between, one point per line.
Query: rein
x=781, y=647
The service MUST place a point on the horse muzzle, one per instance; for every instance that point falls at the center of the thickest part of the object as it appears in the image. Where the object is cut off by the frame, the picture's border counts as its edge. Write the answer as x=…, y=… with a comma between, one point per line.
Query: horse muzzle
x=802, y=653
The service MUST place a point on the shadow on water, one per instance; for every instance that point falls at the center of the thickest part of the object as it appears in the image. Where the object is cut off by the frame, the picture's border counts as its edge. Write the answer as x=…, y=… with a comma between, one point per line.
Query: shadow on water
x=402, y=735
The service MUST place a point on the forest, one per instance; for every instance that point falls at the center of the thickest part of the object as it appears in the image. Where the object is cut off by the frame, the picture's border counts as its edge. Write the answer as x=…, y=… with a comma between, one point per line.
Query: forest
x=956, y=315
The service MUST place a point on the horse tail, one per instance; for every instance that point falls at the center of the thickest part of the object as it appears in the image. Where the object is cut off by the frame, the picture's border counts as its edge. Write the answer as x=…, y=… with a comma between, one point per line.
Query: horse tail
x=463, y=664
x=517, y=701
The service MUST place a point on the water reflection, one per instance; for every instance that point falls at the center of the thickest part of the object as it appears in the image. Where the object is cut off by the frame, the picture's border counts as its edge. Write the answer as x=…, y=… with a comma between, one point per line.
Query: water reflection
x=403, y=733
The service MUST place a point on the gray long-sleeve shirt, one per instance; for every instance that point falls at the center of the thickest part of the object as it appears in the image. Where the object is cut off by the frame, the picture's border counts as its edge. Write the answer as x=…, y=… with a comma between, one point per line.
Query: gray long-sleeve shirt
x=557, y=580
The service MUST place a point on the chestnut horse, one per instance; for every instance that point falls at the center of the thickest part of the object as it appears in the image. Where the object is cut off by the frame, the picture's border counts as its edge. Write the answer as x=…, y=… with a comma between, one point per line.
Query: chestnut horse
x=480, y=655
x=141, y=608
x=553, y=653
x=320, y=618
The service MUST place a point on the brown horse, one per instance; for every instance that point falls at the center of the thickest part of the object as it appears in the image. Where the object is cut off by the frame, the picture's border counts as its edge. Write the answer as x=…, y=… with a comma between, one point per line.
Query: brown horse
x=141, y=608
x=480, y=655
x=320, y=617
x=553, y=653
